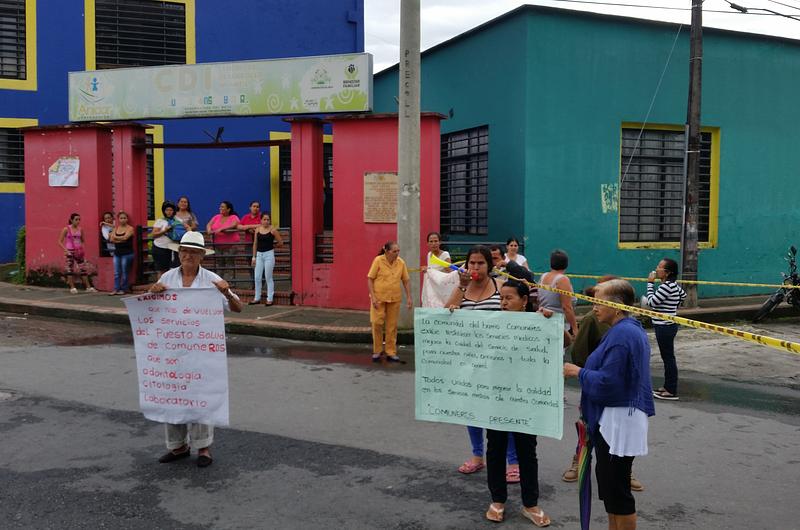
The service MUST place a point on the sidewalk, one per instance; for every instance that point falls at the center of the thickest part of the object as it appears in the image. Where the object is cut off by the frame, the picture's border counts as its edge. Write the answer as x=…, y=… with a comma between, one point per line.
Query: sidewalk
x=295, y=322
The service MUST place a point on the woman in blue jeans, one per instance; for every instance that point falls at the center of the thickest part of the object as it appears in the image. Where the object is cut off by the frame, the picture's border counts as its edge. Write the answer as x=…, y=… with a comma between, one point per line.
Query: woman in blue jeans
x=476, y=462
x=122, y=237
x=666, y=299
x=266, y=239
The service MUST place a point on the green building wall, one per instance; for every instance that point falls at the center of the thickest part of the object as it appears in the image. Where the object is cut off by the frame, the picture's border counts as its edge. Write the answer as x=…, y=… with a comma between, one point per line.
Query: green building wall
x=482, y=81
x=555, y=88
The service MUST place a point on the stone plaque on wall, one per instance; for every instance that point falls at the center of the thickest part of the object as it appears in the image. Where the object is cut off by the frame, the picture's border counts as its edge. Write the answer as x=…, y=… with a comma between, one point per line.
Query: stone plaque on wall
x=380, y=197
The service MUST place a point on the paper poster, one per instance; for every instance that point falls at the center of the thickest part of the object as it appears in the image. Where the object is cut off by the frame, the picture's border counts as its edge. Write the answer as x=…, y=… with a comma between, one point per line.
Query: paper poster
x=179, y=338
x=499, y=370
x=64, y=172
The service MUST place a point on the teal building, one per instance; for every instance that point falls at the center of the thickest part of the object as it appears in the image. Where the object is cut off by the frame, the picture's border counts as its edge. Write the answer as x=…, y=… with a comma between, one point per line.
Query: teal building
x=566, y=130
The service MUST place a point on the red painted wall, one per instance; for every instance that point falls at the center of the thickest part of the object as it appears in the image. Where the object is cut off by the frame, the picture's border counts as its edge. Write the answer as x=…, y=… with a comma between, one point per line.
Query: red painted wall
x=363, y=144
x=47, y=210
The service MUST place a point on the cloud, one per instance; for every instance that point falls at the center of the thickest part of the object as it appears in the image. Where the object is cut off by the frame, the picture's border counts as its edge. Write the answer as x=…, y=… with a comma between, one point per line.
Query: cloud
x=444, y=19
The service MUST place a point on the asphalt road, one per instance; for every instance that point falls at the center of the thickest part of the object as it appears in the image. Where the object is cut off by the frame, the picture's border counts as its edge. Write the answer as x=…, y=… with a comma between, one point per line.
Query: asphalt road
x=322, y=438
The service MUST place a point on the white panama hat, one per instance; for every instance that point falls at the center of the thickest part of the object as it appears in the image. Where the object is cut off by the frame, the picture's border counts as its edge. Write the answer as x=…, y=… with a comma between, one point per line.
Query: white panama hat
x=192, y=240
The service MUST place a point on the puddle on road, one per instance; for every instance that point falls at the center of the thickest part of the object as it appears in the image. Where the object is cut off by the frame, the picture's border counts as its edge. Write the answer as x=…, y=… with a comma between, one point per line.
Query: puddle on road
x=123, y=337
x=350, y=354
x=699, y=390
x=720, y=395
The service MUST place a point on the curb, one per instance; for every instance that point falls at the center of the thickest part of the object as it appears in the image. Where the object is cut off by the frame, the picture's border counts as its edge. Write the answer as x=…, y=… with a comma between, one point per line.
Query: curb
x=282, y=330
x=352, y=335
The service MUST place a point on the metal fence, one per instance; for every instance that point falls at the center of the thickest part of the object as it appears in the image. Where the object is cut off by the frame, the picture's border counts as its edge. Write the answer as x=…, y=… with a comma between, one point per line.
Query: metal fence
x=230, y=260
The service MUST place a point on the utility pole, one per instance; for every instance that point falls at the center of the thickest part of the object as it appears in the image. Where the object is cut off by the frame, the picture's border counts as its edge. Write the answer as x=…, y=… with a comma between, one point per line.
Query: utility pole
x=691, y=207
x=408, y=147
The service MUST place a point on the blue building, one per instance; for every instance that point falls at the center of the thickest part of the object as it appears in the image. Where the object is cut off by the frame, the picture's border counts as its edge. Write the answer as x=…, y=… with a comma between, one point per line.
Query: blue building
x=42, y=40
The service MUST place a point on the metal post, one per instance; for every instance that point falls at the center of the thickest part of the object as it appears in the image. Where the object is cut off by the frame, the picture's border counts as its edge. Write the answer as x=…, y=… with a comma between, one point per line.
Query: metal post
x=692, y=194
x=408, y=163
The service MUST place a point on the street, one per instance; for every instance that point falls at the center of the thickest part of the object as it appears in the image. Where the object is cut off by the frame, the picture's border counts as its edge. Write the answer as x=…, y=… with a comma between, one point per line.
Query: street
x=320, y=437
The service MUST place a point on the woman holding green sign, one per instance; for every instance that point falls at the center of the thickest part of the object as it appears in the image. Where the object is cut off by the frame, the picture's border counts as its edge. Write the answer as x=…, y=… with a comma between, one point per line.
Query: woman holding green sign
x=616, y=400
x=514, y=296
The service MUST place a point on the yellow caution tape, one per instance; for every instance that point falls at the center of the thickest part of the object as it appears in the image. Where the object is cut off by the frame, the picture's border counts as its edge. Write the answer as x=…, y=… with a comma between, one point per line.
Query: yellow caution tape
x=784, y=345
x=694, y=282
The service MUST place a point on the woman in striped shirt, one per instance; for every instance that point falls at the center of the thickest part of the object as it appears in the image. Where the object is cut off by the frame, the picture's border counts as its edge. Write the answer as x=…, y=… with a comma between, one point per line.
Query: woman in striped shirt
x=666, y=299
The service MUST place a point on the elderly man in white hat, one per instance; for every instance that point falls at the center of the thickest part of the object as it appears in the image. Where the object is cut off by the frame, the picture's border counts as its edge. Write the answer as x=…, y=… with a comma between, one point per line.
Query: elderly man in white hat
x=191, y=251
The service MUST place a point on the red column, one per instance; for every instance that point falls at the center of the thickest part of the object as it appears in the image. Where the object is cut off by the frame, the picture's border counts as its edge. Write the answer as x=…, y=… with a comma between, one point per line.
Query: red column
x=130, y=185
x=307, y=194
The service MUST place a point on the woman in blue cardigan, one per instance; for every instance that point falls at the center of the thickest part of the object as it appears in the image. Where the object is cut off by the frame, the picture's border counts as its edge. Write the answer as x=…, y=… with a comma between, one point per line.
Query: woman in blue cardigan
x=616, y=400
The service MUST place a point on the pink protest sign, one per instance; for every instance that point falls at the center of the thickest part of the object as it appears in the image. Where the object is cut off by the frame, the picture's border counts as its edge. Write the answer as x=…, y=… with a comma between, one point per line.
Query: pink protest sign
x=179, y=338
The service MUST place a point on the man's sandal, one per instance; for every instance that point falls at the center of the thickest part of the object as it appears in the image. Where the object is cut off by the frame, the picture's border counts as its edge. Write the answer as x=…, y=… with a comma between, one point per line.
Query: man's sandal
x=537, y=516
x=494, y=514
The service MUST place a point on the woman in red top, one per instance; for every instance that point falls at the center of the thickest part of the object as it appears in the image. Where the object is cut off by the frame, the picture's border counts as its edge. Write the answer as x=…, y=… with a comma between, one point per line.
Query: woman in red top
x=250, y=222
x=224, y=232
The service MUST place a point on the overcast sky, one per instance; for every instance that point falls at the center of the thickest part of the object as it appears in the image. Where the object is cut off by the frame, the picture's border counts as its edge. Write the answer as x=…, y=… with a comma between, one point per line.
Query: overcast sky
x=444, y=19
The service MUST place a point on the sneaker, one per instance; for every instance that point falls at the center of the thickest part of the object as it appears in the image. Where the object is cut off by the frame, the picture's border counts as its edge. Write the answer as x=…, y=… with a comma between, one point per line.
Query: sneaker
x=665, y=396
x=571, y=474
x=636, y=485
x=91, y=290
x=73, y=290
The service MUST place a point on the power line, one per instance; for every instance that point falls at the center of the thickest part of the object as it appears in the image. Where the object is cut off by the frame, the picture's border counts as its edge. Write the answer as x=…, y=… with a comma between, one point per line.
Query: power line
x=747, y=10
x=649, y=110
x=670, y=8
x=785, y=5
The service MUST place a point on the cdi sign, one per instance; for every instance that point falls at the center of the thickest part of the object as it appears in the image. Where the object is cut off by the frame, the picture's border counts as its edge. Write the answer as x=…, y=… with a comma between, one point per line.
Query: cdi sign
x=302, y=85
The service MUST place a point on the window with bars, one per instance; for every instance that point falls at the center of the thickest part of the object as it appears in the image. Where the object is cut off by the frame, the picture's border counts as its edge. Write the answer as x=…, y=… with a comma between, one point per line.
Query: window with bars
x=150, y=174
x=465, y=182
x=139, y=33
x=285, y=186
x=12, y=156
x=652, y=184
x=12, y=40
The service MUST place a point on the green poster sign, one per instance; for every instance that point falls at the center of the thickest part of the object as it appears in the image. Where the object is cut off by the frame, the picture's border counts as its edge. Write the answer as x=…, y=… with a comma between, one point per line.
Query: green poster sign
x=494, y=369
x=302, y=85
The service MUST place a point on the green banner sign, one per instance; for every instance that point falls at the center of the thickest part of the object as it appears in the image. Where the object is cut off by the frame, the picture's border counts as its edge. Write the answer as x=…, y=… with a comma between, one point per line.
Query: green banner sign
x=302, y=85
x=499, y=370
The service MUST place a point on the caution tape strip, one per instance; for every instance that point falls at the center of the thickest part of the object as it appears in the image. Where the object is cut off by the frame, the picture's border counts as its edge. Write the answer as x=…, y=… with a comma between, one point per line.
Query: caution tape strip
x=784, y=345
x=694, y=282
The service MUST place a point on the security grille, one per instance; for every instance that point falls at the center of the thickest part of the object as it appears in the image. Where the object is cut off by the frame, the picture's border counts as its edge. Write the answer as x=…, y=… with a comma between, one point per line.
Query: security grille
x=12, y=39
x=139, y=33
x=464, y=182
x=150, y=178
x=285, y=186
x=12, y=156
x=651, y=194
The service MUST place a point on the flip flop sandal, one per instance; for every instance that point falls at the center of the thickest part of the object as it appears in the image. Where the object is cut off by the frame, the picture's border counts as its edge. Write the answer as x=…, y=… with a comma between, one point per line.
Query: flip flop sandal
x=496, y=515
x=665, y=396
x=538, y=518
x=469, y=467
x=512, y=475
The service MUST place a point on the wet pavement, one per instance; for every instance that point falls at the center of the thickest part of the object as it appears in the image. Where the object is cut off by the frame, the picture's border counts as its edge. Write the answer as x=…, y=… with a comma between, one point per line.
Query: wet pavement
x=323, y=437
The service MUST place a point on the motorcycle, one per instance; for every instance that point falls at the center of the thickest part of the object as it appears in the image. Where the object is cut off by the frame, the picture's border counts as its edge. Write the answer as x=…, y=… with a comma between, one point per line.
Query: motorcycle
x=791, y=295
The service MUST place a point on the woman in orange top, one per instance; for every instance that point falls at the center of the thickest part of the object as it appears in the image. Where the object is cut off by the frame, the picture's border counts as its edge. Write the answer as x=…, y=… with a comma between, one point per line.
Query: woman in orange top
x=385, y=275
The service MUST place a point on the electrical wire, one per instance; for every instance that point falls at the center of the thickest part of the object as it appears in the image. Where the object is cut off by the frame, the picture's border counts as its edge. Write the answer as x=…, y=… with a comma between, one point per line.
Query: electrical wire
x=785, y=5
x=650, y=109
x=666, y=8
